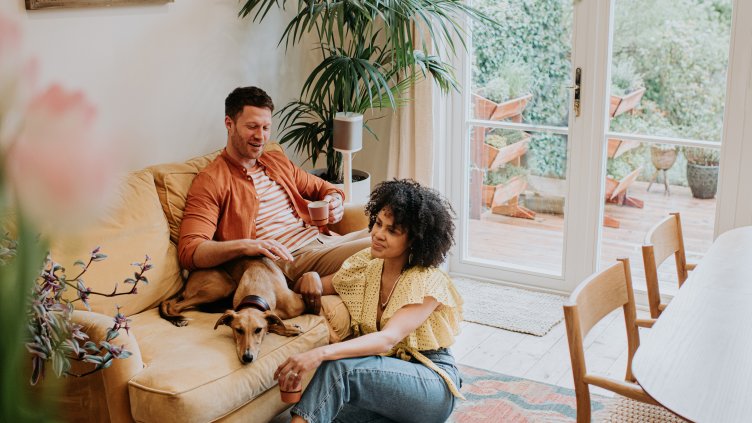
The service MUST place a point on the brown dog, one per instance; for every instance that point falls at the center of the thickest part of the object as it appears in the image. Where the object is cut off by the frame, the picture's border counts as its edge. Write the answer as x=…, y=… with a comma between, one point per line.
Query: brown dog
x=262, y=299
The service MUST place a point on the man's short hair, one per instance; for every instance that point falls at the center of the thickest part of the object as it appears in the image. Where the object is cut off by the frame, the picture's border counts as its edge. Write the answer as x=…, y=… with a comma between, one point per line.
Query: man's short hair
x=246, y=96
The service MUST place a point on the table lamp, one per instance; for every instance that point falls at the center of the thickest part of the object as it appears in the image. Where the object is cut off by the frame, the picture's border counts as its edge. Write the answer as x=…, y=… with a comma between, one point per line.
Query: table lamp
x=348, y=138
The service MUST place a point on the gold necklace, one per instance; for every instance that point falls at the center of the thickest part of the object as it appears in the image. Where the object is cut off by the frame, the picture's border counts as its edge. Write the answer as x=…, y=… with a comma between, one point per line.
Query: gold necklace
x=383, y=304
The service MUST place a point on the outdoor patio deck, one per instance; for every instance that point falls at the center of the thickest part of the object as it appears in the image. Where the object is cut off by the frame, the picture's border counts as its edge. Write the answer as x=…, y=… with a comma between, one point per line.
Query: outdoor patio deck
x=538, y=243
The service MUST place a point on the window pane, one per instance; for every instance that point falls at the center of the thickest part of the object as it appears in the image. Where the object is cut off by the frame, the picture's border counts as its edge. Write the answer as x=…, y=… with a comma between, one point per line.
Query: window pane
x=668, y=78
x=517, y=213
x=520, y=71
x=669, y=67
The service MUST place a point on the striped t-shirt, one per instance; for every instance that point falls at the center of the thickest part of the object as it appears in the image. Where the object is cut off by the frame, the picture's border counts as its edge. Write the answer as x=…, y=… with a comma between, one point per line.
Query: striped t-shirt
x=276, y=217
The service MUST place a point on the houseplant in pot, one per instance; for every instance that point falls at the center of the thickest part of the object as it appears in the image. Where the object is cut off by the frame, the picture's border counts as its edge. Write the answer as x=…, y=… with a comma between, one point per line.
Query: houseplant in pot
x=506, y=95
x=702, y=171
x=372, y=53
x=627, y=87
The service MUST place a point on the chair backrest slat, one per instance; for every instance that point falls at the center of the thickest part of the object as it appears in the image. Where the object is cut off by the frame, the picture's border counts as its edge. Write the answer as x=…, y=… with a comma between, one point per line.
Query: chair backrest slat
x=663, y=237
x=597, y=298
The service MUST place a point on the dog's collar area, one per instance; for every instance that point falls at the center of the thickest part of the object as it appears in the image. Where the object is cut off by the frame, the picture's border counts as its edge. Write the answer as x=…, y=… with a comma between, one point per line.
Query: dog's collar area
x=253, y=301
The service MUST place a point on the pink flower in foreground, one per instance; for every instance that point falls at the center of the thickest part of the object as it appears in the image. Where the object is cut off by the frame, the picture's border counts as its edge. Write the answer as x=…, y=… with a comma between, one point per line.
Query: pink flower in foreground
x=59, y=170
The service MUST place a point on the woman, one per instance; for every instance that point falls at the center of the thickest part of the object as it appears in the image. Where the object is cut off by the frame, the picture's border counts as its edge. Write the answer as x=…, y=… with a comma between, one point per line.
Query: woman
x=405, y=313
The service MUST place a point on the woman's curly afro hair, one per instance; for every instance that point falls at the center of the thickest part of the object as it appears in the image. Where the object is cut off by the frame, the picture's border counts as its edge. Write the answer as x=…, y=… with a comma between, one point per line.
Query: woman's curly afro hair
x=422, y=212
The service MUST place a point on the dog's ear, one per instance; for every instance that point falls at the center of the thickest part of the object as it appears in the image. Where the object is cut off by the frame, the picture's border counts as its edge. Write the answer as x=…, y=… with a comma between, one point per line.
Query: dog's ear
x=225, y=319
x=276, y=325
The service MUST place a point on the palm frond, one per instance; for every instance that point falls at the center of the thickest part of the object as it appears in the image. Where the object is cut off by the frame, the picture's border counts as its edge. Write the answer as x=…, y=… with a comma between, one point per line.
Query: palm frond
x=373, y=52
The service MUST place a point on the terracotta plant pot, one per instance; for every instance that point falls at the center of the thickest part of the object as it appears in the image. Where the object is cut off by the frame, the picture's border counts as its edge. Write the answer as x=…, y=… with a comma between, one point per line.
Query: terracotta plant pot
x=496, y=157
x=490, y=110
x=495, y=195
x=620, y=104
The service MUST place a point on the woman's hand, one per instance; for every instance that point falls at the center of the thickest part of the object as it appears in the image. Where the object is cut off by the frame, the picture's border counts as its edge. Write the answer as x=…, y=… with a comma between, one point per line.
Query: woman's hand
x=309, y=285
x=291, y=371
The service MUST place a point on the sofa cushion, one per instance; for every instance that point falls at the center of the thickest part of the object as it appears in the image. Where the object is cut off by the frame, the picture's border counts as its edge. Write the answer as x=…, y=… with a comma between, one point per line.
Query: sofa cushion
x=134, y=227
x=193, y=373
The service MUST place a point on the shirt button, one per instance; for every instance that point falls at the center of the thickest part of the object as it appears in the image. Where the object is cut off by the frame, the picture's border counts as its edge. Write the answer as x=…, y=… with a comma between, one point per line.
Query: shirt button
x=249, y=178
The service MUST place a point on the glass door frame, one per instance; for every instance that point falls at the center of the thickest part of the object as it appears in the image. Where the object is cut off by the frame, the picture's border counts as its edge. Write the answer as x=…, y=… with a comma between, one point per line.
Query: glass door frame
x=584, y=208
x=585, y=161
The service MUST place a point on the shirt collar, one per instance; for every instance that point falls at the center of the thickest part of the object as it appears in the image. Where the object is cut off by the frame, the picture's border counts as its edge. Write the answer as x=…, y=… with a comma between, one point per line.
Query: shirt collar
x=236, y=165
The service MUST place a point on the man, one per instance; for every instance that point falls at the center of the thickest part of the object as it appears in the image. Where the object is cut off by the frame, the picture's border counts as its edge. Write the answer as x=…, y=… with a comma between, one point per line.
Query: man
x=248, y=202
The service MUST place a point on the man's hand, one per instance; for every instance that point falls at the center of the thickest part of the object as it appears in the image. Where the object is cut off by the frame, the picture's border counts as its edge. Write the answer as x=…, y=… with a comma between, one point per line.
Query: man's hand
x=269, y=248
x=309, y=285
x=336, y=207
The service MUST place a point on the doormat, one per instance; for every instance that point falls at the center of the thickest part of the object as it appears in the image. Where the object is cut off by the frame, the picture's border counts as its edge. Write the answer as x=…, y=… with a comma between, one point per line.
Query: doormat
x=518, y=310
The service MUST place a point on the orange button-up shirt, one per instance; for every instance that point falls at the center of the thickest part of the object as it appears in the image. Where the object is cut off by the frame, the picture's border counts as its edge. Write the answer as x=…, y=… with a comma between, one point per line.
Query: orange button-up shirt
x=222, y=202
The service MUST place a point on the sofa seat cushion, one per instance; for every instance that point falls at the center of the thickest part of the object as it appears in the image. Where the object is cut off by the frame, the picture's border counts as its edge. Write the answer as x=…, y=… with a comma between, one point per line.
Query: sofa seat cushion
x=193, y=374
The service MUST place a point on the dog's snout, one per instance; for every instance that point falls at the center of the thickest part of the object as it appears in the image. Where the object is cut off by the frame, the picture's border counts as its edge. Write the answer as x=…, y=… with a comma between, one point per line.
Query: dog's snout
x=247, y=357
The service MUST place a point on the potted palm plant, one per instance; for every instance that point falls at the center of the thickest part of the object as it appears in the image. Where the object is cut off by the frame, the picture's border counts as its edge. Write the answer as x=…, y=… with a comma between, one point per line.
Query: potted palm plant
x=372, y=53
x=702, y=171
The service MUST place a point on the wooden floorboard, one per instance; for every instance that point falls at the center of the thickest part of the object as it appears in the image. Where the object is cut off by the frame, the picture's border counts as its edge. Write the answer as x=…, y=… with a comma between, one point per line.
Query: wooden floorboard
x=546, y=358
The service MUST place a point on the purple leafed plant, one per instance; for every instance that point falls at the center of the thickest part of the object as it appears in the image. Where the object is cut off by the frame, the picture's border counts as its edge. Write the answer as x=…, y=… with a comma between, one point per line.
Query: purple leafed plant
x=53, y=335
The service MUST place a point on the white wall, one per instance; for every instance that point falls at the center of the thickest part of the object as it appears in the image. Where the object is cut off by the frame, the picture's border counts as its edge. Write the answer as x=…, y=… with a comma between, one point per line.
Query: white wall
x=159, y=73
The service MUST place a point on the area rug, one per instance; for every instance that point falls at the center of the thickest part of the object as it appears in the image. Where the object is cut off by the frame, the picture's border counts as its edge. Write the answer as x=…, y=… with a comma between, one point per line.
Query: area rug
x=494, y=397
x=514, y=309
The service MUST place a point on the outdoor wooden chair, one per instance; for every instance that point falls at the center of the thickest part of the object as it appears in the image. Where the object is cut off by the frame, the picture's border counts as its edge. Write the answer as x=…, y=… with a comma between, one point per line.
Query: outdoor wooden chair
x=591, y=301
x=663, y=240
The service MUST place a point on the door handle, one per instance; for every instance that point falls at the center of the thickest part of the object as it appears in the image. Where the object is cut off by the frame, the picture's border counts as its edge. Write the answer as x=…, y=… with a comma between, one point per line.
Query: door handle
x=577, y=78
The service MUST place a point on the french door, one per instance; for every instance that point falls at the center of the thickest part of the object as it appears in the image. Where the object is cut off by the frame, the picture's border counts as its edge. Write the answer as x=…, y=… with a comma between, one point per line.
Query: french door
x=552, y=176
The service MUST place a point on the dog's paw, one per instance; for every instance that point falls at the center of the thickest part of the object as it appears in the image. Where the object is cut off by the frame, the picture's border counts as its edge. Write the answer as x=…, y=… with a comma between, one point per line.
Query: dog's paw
x=180, y=323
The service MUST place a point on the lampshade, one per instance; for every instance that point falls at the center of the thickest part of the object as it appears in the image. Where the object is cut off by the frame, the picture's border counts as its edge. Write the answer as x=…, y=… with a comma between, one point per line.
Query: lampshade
x=348, y=131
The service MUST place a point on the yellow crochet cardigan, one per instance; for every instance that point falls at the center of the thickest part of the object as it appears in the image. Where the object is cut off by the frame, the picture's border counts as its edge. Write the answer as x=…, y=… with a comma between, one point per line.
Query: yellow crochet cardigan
x=358, y=283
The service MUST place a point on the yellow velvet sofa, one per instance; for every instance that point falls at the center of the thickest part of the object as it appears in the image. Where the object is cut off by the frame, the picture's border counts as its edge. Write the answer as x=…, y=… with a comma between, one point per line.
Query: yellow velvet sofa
x=188, y=374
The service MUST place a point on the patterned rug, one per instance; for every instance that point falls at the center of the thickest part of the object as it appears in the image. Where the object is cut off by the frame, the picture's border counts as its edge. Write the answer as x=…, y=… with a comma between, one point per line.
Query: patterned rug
x=494, y=397
x=514, y=309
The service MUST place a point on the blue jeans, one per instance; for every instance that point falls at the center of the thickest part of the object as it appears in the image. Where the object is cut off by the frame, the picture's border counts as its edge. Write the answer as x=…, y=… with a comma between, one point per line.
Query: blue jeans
x=379, y=389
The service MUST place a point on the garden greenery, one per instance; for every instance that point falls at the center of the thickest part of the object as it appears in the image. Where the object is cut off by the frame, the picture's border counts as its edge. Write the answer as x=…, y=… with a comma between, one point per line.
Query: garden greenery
x=677, y=50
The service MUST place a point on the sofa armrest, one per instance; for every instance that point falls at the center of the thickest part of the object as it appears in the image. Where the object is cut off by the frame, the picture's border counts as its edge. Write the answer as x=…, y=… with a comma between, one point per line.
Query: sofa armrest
x=354, y=219
x=115, y=377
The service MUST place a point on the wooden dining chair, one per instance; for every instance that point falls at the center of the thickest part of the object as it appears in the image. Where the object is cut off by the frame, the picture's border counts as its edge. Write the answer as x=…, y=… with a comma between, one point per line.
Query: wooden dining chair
x=591, y=301
x=663, y=240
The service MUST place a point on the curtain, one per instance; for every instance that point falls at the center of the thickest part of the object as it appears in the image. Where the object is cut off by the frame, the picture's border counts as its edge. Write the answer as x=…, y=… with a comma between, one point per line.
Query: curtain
x=411, y=146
